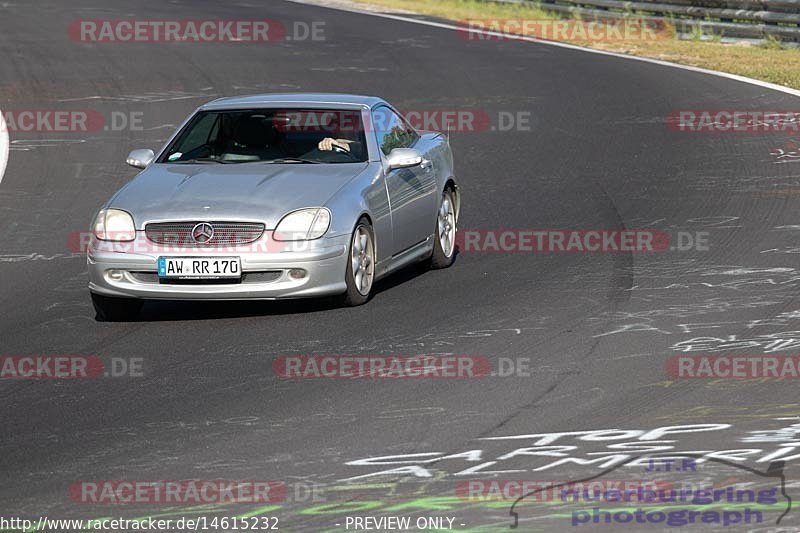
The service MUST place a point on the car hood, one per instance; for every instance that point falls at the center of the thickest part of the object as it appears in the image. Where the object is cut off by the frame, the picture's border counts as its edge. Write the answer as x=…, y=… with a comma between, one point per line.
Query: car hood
x=246, y=192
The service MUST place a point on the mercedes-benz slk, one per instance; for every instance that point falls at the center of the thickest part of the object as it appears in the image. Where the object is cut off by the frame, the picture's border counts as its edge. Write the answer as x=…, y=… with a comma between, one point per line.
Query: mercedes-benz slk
x=275, y=196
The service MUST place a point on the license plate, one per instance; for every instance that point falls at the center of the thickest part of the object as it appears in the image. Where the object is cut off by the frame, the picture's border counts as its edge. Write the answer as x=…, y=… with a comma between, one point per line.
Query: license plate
x=199, y=267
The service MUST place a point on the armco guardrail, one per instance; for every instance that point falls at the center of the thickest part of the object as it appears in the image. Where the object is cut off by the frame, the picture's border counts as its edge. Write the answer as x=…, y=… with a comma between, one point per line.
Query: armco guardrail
x=729, y=19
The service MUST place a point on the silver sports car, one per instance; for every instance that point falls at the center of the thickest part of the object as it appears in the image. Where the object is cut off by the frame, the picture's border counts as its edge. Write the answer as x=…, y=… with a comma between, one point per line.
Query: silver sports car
x=275, y=196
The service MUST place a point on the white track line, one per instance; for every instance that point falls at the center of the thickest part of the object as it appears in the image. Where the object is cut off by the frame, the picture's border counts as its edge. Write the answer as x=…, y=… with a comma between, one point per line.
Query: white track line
x=443, y=25
x=3, y=145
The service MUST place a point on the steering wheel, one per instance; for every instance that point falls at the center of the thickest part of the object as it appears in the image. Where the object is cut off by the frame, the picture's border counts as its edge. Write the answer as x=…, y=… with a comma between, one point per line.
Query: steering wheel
x=343, y=151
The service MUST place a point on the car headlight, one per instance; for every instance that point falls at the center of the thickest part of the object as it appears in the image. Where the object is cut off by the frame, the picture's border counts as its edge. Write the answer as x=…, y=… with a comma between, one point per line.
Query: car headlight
x=303, y=225
x=114, y=225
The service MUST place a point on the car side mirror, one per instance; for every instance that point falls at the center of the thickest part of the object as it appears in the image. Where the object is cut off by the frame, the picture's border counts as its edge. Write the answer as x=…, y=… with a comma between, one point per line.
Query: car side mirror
x=140, y=158
x=403, y=158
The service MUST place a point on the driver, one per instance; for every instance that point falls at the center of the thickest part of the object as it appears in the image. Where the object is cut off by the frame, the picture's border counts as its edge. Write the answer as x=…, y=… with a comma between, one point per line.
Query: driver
x=347, y=139
x=328, y=143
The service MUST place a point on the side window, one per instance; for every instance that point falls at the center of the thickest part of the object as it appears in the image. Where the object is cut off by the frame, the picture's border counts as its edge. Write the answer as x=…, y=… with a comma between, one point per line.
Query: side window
x=391, y=130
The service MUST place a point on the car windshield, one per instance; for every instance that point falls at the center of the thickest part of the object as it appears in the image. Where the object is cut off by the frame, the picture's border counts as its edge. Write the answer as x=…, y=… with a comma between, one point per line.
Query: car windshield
x=270, y=136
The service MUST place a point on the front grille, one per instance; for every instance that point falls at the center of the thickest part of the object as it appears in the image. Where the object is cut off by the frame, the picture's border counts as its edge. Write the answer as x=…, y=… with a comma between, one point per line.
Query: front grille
x=266, y=276
x=145, y=277
x=225, y=233
x=220, y=281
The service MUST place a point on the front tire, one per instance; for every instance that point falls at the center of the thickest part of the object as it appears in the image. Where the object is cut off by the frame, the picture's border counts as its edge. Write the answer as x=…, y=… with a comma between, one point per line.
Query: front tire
x=444, y=245
x=111, y=309
x=360, y=272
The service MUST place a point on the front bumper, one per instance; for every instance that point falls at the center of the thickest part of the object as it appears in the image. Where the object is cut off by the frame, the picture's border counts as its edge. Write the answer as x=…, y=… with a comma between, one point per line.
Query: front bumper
x=130, y=270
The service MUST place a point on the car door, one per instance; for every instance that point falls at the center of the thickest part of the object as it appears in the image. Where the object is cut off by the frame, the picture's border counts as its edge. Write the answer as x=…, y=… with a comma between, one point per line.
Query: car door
x=411, y=190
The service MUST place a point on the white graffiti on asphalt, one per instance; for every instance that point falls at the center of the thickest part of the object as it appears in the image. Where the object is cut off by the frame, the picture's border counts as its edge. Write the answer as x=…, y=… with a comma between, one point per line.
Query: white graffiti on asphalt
x=625, y=447
x=769, y=343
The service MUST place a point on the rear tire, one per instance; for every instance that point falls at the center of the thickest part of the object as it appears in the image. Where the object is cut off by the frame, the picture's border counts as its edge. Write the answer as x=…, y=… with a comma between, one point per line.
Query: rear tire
x=444, y=242
x=360, y=272
x=111, y=309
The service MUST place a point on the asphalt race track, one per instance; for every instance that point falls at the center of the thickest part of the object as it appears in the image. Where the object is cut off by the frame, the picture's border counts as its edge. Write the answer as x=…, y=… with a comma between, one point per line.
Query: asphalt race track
x=597, y=329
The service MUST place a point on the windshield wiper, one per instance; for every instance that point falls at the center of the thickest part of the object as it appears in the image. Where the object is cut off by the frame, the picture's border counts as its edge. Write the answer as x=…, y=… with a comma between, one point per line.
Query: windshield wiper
x=293, y=160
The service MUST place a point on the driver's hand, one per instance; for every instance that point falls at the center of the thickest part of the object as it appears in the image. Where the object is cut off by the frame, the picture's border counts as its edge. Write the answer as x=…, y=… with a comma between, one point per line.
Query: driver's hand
x=328, y=143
